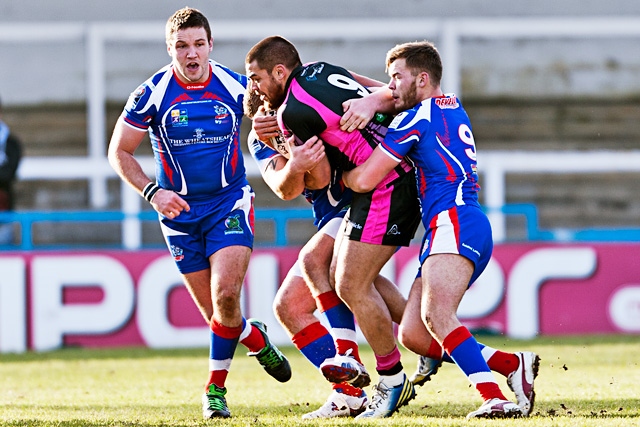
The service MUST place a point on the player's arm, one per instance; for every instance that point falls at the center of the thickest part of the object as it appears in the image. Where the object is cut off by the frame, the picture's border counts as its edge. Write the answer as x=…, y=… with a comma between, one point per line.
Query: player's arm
x=287, y=178
x=124, y=142
x=359, y=111
x=318, y=177
x=366, y=176
x=367, y=81
x=265, y=126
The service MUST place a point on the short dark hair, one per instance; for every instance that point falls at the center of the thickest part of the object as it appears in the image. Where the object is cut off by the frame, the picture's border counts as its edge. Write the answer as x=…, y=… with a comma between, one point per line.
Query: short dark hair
x=419, y=56
x=272, y=51
x=186, y=17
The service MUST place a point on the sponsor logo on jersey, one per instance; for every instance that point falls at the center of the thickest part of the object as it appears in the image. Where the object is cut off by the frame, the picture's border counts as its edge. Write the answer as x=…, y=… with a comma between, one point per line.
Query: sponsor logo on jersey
x=314, y=69
x=450, y=102
x=179, y=118
x=232, y=224
x=355, y=225
x=475, y=251
x=393, y=231
x=177, y=253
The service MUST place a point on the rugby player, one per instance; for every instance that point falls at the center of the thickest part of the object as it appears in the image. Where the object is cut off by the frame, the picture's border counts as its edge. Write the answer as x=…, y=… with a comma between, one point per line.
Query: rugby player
x=192, y=109
x=310, y=100
x=434, y=131
x=299, y=170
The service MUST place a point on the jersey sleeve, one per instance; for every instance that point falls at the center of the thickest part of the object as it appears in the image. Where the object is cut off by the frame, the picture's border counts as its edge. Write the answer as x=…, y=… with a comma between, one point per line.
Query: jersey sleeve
x=260, y=151
x=133, y=113
x=401, y=136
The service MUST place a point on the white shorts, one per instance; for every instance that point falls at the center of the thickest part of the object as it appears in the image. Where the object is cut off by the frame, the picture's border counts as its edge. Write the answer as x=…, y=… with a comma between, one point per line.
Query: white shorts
x=330, y=229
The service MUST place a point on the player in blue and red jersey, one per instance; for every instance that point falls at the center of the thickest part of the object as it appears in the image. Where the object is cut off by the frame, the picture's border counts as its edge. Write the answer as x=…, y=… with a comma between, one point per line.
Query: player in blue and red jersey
x=192, y=110
x=309, y=99
x=434, y=131
x=306, y=288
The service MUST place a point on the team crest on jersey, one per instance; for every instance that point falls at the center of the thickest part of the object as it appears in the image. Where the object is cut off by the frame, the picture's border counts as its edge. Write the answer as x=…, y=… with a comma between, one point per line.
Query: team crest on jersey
x=177, y=253
x=232, y=225
x=221, y=113
x=179, y=118
x=450, y=102
x=135, y=97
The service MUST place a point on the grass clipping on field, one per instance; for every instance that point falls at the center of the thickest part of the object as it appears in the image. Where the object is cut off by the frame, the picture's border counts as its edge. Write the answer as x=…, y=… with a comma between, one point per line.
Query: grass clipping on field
x=583, y=381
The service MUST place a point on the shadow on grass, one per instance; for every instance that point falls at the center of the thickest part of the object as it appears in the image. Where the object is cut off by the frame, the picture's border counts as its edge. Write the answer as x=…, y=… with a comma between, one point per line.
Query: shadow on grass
x=563, y=408
x=290, y=414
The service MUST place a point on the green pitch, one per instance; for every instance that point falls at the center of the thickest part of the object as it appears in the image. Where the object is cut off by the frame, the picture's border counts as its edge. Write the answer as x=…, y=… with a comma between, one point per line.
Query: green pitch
x=583, y=381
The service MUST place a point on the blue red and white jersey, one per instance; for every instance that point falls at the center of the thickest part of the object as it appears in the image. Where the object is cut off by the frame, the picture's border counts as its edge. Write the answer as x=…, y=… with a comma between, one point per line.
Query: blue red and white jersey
x=313, y=106
x=326, y=203
x=436, y=135
x=194, y=130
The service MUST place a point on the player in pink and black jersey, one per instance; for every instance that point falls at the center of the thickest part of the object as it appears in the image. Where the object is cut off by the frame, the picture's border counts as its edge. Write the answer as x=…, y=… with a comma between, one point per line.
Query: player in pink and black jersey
x=299, y=170
x=309, y=99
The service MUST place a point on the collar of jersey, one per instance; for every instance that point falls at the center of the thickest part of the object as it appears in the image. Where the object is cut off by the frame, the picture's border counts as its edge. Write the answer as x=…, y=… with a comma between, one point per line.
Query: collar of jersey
x=193, y=86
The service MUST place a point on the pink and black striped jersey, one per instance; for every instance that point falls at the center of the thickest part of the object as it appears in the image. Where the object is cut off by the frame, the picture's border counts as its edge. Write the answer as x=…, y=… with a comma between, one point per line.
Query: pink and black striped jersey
x=313, y=106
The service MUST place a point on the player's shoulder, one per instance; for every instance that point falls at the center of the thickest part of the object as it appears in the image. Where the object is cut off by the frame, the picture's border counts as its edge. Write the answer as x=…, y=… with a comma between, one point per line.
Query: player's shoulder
x=311, y=71
x=218, y=68
x=143, y=93
x=411, y=116
x=448, y=101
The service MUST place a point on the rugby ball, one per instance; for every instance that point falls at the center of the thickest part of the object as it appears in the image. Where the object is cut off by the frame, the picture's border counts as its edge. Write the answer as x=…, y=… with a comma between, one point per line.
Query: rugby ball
x=280, y=145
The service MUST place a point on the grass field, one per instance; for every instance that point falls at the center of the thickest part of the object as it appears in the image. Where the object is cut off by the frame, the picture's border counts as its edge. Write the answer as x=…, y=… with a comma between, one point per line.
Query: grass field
x=583, y=381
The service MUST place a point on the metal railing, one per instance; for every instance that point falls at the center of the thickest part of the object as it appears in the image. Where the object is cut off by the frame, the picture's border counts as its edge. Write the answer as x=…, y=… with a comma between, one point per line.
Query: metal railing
x=280, y=219
x=451, y=33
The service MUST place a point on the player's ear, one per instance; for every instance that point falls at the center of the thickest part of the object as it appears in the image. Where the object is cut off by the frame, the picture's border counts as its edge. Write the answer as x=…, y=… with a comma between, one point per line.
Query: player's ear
x=279, y=71
x=423, y=79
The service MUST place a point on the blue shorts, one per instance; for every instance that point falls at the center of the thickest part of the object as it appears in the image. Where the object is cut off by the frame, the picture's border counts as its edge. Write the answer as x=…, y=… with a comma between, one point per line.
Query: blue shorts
x=192, y=237
x=463, y=230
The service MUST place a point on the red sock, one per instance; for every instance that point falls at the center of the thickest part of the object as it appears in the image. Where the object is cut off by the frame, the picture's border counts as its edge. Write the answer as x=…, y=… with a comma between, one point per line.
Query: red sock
x=490, y=390
x=503, y=363
x=435, y=350
x=252, y=338
x=348, y=389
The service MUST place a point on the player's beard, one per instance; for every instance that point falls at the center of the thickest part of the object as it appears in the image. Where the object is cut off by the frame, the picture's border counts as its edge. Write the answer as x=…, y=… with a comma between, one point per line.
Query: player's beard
x=276, y=94
x=409, y=98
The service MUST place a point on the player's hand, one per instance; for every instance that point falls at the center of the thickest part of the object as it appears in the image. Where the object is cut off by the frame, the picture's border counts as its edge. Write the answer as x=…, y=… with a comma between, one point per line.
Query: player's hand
x=305, y=157
x=169, y=203
x=357, y=113
x=265, y=126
